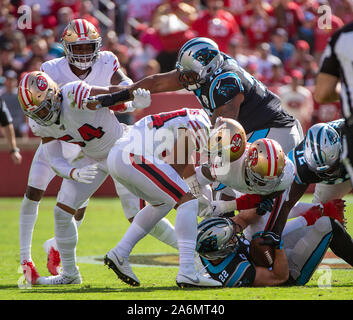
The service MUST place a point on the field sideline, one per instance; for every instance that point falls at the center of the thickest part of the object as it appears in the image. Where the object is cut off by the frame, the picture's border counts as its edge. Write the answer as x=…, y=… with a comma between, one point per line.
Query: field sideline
x=103, y=226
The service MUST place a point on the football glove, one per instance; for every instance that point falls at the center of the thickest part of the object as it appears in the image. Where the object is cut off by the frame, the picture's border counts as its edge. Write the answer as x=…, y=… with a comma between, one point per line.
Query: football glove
x=264, y=206
x=142, y=98
x=85, y=174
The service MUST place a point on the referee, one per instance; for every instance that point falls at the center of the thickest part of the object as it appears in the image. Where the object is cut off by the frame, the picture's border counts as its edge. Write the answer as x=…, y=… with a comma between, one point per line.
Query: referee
x=335, y=82
x=9, y=132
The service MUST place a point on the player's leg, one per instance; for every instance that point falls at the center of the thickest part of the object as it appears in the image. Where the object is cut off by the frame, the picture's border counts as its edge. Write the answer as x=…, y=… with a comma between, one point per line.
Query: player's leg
x=163, y=230
x=305, y=248
x=40, y=175
x=72, y=195
x=326, y=192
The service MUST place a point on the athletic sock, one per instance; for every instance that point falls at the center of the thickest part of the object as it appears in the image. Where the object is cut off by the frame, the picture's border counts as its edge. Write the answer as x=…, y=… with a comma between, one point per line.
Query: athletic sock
x=186, y=231
x=165, y=232
x=66, y=239
x=27, y=220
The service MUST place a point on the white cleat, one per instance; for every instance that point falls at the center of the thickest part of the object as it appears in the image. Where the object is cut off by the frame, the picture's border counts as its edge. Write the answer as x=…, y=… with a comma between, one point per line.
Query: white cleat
x=196, y=280
x=122, y=268
x=60, y=279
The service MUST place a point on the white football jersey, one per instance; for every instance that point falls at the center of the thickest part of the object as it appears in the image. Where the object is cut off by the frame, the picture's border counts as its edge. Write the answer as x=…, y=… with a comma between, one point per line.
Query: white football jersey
x=156, y=134
x=233, y=175
x=101, y=71
x=95, y=131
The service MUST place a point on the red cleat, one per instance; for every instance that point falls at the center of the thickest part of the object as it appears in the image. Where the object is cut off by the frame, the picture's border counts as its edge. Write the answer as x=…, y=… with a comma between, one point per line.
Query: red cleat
x=30, y=272
x=335, y=209
x=53, y=262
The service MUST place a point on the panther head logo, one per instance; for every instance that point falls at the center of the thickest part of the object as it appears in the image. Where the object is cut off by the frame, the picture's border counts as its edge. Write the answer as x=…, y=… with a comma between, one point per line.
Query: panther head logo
x=204, y=55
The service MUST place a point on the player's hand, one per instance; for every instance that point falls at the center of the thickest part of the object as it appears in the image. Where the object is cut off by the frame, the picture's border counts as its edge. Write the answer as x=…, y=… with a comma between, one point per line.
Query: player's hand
x=16, y=157
x=142, y=98
x=220, y=207
x=272, y=239
x=205, y=208
x=85, y=174
x=264, y=206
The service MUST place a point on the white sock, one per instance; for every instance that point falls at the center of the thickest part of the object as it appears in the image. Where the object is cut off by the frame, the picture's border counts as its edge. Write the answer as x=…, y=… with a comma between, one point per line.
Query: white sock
x=28, y=217
x=164, y=231
x=66, y=239
x=78, y=222
x=186, y=230
x=299, y=208
x=294, y=224
x=143, y=223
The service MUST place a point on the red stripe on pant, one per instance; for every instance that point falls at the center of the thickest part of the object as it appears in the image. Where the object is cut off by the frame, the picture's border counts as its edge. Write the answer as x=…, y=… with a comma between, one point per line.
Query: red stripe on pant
x=273, y=216
x=154, y=179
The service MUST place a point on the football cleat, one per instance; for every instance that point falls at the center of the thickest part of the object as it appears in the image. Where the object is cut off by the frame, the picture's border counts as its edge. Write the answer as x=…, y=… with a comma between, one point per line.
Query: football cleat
x=122, y=268
x=60, y=279
x=196, y=280
x=335, y=209
x=53, y=259
x=30, y=272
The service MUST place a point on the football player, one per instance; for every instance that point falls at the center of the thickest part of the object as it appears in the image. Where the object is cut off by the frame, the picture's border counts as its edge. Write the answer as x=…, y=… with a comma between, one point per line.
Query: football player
x=225, y=89
x=262, y=172
x=61, y=114
x=226, y=257
x=317, y=161
x=156, y=173
x=83, y=61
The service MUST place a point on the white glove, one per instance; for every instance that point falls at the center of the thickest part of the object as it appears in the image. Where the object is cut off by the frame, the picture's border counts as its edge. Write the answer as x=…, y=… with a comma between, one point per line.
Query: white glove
x=142, y=98
x=205, y=207
x=85, y=174
x=220, y=206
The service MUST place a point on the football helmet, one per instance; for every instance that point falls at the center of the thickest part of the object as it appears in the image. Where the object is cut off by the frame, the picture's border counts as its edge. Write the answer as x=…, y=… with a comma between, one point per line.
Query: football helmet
x=322, y=150
x=227, y=140
x=39, y=97
x=79, y=32
x=198, y=58
x=217, y=238
x=264, y=165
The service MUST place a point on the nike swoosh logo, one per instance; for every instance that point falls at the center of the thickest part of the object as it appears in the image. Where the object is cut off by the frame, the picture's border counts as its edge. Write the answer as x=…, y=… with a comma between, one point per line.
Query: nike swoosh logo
x=197, y=280
x=117, y=258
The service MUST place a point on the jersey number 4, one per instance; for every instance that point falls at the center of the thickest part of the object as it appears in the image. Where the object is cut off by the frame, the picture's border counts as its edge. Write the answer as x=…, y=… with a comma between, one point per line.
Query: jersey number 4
x=87, y=133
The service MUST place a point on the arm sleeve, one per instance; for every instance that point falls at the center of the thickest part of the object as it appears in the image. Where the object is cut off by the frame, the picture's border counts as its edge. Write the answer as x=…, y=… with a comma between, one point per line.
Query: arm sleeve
x=5, y=116
x=54, y=153
x=224, y=88
x=329, y=62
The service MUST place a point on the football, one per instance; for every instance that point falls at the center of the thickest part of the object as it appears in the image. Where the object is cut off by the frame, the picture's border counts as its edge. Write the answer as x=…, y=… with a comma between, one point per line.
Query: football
x=261, y=255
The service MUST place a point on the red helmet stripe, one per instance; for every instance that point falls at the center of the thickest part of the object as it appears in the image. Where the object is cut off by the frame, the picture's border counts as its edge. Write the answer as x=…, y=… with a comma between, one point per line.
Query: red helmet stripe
x=84, y=26
x=78, y=27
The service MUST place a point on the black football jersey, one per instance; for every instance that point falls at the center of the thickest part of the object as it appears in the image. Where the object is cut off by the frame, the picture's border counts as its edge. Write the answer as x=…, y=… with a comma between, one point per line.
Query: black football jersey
x=261, y=108
x=303, y=175
x=236, y=270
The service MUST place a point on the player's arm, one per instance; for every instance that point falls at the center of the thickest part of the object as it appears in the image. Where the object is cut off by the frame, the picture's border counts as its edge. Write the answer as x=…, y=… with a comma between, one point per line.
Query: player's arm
x=53, y=151
x=296, y=192
x=277, y=275
x=229, y=110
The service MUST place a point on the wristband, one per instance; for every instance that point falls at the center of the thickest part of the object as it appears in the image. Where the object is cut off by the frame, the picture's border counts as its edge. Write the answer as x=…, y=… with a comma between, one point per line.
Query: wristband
x=108, y=100
x=14, y=150
x=248, y=201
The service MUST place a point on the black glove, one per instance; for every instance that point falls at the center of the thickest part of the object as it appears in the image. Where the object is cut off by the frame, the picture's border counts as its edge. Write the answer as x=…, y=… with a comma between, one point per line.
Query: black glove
x=264, y=206
x=272, y=239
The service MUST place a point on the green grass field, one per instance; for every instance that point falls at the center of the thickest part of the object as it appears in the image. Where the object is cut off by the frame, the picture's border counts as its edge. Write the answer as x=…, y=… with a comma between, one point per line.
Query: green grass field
x=102, y=228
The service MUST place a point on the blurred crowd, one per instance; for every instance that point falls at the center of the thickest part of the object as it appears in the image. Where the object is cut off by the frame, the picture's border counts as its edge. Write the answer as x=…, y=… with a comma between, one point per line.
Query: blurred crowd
x=278, y=41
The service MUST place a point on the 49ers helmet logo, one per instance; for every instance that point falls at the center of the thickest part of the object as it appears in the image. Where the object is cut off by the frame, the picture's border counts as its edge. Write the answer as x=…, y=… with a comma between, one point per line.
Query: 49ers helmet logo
x=42, y=83
x=236, y=143
x=253, y=157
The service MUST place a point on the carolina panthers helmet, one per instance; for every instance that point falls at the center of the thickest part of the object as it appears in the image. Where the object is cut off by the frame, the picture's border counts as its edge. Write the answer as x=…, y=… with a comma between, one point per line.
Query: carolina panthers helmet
x=322, y=149
x=39, y=97
x=217, y=238
x=264, y=165
x=80, y=31
x=227, y=139
x=198, y=58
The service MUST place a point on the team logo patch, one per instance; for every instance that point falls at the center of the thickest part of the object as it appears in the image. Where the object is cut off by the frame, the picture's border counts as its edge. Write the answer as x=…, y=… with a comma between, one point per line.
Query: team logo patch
x=204, y=55
x=236, y=143
x=226, y=89
x=42, y=83
x=253, y=156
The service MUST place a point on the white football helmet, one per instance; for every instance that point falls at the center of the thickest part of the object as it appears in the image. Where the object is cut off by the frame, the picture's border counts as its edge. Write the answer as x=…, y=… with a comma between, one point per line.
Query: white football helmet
x=322, y=149
x=217, y=238
x=198, y=58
